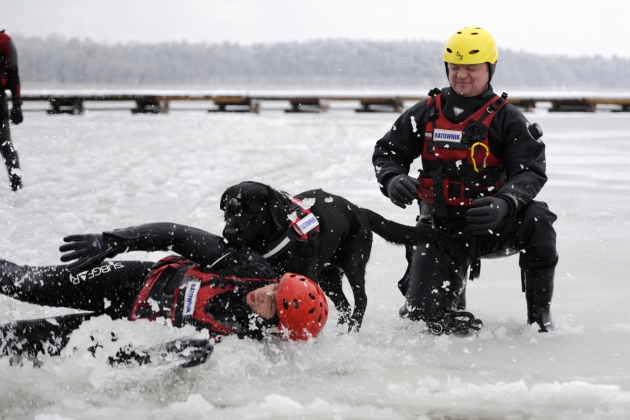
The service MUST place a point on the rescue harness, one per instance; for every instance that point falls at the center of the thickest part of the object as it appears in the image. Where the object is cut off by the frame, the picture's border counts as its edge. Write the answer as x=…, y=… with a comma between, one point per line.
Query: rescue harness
x=303, y=227
x=180, y=290
x=458, y=166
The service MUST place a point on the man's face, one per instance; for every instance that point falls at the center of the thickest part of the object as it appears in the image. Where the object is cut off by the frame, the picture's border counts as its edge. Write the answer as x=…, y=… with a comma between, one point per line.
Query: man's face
x=263, y=300
x=468, y=80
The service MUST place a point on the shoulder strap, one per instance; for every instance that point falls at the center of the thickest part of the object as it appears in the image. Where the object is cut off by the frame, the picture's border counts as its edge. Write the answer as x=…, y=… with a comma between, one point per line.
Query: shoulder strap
x=433, y=105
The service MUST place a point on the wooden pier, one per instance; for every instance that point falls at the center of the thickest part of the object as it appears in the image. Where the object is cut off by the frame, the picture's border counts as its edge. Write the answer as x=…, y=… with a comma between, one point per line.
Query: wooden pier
x=70, y=103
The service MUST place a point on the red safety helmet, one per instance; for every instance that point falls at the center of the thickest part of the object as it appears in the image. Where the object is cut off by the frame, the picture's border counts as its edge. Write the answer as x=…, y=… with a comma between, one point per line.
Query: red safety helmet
x=302, y=307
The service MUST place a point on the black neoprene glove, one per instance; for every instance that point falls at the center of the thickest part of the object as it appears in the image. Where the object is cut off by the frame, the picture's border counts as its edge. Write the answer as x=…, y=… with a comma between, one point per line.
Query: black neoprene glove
x=486, y=214
x=402, y=190
x=16, y=112
x=89, y=250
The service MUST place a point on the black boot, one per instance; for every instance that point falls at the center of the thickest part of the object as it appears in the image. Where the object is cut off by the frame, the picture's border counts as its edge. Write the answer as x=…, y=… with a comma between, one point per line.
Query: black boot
x=16, y=182
x=462, y=299
x=12, y=162
x=538, y=285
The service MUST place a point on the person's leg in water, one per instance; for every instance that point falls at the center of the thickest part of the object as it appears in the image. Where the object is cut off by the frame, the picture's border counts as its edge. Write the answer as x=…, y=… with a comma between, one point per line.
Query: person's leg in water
x=35, y=336
x=435, y=282
x=109, y=289
x=8, y=152
x=530, y=232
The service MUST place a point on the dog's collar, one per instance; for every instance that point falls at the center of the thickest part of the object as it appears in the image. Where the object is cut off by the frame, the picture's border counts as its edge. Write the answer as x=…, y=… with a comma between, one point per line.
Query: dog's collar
x=303, y=226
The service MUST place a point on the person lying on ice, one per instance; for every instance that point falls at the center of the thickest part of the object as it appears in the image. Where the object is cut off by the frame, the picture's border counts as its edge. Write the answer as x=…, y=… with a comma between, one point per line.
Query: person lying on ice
x=212, y=286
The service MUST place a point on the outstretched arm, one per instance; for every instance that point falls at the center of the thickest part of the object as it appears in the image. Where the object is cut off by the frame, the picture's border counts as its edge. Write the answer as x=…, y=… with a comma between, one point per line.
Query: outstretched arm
x=195, y=244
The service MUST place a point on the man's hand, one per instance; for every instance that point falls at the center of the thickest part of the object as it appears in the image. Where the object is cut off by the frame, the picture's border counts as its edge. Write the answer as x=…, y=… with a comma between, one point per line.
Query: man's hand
x=16, y=115
x=402, y=190
x=486, y=214
x=183, y=353
x=89, y=250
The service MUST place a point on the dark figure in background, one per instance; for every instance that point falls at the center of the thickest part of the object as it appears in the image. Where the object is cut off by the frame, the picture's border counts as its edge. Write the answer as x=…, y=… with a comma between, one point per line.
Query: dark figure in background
x=483, y=164
x=9, y=80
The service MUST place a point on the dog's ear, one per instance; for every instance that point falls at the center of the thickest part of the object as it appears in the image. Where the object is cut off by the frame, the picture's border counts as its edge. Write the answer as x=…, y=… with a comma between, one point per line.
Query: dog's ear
x=278, y=206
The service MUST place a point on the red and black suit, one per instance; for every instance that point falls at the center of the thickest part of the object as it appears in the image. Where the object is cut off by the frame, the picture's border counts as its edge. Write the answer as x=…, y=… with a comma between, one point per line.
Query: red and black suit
x=9, y=80
x=222, y=275
x=470, y=148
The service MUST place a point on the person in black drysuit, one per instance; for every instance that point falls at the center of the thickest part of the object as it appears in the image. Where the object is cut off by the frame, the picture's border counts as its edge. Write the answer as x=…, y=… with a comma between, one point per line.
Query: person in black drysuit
x=483, y=164
x=9, y=80
x=113, y=288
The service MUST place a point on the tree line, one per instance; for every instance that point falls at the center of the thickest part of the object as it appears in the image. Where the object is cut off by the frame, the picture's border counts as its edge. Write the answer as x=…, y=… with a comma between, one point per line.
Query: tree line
x=57, y=60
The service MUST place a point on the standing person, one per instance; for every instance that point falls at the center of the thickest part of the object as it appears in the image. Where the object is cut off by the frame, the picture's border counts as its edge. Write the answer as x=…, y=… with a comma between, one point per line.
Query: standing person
x=224, y=289
x=483, y=164
x=10, y=80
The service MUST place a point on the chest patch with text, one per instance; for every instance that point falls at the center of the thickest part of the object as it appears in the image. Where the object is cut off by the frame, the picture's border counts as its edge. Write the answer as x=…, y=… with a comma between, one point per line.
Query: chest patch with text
x=447, y=135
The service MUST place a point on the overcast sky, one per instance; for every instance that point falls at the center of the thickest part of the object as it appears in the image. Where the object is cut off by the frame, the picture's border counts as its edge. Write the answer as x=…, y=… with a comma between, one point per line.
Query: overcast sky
x=572, y=27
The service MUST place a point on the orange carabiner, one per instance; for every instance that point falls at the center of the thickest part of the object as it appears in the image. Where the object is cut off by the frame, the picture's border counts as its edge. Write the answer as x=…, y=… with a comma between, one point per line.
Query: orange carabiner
x=472, y=155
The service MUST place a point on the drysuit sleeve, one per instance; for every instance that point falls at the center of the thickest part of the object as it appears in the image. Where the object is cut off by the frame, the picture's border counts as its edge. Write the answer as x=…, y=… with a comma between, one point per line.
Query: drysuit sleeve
x=523, y=157
x=195, y=244
x=88, y=250
x=400, y=146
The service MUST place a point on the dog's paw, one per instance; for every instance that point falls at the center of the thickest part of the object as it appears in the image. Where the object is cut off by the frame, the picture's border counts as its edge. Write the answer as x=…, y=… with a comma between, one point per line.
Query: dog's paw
x=354, y=328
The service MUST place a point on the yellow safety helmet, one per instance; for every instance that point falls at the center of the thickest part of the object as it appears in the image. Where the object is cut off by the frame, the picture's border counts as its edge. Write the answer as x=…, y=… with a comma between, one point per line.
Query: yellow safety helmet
x=471, y=45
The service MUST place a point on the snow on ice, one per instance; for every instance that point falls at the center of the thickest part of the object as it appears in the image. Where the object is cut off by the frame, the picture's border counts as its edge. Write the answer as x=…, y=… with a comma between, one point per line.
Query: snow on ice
x=112, y=169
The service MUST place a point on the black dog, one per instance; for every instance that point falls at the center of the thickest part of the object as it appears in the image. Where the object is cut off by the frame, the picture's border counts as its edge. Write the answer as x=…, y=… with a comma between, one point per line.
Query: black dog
x=316, y=234
x=262, y=218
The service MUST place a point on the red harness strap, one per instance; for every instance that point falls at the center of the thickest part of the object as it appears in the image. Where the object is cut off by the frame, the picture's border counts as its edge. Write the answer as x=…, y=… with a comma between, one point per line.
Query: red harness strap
x=195, y=289
x=462, y=170
x=142, y=298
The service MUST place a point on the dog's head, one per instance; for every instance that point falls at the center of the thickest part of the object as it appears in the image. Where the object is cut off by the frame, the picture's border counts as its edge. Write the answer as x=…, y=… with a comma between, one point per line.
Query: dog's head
x=253, y=213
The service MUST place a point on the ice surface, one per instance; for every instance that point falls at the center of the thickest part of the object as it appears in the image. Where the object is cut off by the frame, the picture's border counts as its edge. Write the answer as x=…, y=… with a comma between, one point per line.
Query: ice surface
x=112, y=169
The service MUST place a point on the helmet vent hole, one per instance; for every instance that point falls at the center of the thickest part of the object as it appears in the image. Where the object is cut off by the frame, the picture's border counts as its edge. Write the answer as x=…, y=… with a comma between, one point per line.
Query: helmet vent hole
x=459, y=32
x=449, y=50
x=311, y=311
x=295, y=304
x=285, y=304
x=475, y=33
x=319, y=320
x=473, y=52
x=311, y=296
x=302, y=279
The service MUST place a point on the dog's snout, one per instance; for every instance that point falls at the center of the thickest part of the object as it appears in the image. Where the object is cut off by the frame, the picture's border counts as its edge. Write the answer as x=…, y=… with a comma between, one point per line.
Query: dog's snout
x=232, y=235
